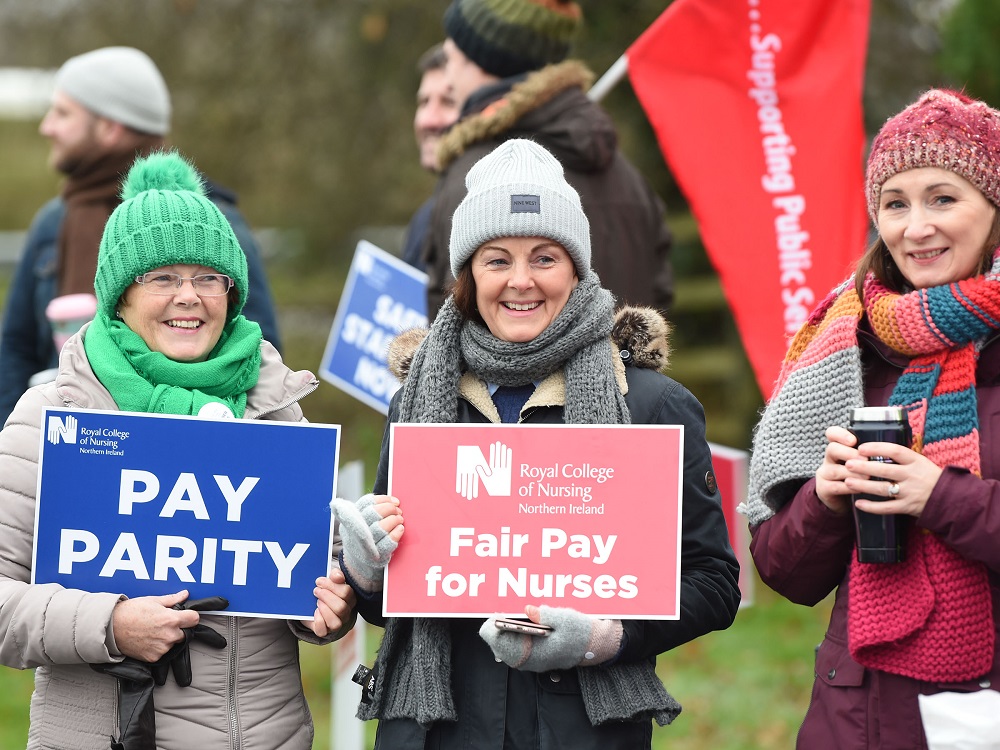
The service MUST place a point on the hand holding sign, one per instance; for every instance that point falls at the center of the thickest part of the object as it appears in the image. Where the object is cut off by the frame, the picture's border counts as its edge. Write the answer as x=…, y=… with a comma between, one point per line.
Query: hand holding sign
x=178, y=658
x=335, y=601
x=147, y=627
x=371, y=532
x=137, y=678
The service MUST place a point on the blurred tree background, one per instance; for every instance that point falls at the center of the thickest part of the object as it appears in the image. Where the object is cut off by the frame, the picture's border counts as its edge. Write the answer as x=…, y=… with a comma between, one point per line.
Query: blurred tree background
x=305, y=107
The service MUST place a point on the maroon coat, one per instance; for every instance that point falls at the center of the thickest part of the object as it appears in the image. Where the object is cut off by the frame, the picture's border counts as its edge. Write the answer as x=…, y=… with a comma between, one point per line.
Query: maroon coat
x=804, y=550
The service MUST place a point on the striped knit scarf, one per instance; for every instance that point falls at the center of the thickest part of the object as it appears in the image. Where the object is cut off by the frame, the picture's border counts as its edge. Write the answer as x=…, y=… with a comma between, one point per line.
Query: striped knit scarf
x=902, y=618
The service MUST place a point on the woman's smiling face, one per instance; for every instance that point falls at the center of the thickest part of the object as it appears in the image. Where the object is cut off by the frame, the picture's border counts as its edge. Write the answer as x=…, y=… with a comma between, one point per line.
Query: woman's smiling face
x=522, y=284
x=182, y=325
x=935, y=224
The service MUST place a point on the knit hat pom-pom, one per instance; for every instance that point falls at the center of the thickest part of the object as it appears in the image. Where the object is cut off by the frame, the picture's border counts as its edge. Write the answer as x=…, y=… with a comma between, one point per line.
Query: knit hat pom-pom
x=163, y=170
x=165, y=219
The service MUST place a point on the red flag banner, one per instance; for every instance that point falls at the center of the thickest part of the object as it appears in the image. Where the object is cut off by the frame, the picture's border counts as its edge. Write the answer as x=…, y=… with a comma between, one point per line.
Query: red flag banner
x=757, y=109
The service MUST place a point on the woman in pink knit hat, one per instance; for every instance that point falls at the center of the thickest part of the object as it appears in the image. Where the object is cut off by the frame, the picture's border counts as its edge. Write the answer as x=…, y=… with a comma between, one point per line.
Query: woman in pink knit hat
x=916, y=328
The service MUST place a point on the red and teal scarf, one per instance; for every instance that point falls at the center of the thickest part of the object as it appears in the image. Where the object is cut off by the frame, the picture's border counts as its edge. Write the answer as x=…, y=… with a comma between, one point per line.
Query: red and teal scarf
x=930, y=617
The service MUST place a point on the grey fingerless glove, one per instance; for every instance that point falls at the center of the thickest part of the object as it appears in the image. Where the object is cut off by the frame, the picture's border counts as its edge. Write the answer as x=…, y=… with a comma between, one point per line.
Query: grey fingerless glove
x=576, y=640
x=367, y=547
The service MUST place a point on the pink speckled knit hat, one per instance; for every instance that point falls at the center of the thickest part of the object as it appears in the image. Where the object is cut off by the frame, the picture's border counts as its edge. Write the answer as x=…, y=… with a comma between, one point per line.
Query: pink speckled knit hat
x=943, y=129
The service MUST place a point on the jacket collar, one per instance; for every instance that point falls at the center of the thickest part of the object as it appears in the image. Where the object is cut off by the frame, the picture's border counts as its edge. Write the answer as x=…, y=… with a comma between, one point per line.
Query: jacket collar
x=550, y=392
x=499, y=116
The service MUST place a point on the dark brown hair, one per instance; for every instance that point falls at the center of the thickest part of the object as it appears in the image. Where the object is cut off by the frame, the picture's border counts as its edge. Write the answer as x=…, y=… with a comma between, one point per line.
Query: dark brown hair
x=464, y=292
x=432, y=59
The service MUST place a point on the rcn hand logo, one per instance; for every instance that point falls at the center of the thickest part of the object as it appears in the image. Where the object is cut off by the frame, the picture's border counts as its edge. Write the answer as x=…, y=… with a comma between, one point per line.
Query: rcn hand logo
x=65, y=429
x=472, y=468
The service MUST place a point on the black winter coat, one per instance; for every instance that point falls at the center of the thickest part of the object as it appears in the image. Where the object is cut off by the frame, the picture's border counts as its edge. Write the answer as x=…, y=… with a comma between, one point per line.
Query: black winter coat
x=545, y=710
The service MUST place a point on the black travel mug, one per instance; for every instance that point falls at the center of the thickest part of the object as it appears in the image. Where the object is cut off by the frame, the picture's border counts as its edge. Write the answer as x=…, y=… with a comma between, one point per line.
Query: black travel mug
x=880, y=538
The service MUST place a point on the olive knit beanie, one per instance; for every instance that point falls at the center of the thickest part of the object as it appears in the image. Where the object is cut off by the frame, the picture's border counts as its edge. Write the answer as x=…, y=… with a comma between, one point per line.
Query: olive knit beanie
x=508, y=37
x=518, y=190
x=944, y=129
x=120, y=83
x=164, y=219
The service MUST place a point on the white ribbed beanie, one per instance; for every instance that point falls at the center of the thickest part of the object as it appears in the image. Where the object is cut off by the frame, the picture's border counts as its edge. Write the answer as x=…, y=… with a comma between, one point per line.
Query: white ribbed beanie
x=120, y=83
x=518, y=190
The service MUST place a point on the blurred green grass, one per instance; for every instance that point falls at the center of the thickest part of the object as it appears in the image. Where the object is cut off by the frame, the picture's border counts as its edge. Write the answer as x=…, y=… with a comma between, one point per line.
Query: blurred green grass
x=745, y=688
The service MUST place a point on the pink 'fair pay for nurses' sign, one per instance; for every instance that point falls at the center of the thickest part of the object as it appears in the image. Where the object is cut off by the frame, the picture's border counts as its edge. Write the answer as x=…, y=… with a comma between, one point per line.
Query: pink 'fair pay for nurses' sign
x=501, y=516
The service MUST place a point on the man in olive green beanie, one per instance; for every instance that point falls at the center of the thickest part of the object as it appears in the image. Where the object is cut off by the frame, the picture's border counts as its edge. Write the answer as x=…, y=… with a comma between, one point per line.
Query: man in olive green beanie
x=508, y=70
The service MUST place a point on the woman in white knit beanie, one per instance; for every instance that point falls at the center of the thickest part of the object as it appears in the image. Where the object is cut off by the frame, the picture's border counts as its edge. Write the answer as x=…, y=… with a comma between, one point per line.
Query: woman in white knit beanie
x=529, y=336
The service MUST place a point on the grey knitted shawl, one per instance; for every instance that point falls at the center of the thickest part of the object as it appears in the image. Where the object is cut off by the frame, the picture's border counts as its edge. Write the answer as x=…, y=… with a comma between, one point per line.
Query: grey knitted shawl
x=789, y=441
x=414, y=658
x=576, y=340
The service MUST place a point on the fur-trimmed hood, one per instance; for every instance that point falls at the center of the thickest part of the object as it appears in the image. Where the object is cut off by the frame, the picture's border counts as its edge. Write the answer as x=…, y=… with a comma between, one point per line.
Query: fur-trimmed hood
x=586, y=142
x=640, y=335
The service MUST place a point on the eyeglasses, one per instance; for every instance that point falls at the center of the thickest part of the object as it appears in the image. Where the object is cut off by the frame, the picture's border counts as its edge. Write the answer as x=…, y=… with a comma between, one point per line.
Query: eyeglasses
x=205, y=284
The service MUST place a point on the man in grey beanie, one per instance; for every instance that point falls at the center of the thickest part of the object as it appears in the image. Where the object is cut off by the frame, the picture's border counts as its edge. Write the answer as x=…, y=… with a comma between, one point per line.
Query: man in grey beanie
x=121, y=84
x=109, y=106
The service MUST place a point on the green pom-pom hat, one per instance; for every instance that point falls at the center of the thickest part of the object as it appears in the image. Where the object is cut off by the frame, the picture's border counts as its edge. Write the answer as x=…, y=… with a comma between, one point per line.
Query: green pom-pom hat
x=164, y=219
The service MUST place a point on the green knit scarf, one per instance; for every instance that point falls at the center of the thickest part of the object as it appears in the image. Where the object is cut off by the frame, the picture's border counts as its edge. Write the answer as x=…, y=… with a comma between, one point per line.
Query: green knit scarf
x=142, y=380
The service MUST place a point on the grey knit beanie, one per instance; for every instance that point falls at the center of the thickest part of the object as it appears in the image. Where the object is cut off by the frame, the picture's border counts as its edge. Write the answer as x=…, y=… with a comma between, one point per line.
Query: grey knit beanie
x=518, y=190
x=120, y=83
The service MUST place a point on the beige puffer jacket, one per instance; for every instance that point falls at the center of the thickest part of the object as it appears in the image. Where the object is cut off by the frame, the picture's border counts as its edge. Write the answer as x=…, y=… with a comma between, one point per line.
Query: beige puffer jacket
x=247, y=696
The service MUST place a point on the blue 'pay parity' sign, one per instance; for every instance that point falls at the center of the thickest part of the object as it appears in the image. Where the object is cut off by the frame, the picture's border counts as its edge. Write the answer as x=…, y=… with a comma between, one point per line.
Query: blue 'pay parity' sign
x=144, y=505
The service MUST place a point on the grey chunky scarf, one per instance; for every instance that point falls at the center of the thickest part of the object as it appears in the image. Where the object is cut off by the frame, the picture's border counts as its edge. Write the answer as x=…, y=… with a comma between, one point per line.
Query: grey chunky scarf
x=576, y=340
x=414, y=658
x=413, y=669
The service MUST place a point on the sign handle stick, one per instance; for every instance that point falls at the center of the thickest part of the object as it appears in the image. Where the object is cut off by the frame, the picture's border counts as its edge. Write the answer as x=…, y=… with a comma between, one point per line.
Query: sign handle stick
x=346, y=731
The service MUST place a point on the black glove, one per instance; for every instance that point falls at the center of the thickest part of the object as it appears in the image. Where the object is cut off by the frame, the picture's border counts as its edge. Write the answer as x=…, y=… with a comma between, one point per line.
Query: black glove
x=136, y=679
x=136, y=719
x=178, y=658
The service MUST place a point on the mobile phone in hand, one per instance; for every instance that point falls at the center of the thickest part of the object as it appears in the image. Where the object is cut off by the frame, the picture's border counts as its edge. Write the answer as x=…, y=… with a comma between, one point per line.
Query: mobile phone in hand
x=522, y=626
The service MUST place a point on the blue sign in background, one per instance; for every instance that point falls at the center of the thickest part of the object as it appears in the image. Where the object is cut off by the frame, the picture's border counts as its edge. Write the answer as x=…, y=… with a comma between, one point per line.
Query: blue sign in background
x=81, y=483
x=382, y=296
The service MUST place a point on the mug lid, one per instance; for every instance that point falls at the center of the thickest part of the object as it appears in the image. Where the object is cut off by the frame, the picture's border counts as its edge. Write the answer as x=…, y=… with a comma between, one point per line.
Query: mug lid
x=878, y=414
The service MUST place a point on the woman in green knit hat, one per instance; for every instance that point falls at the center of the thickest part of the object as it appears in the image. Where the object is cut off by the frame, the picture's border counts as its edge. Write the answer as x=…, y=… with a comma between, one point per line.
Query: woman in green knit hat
x=168, y=338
